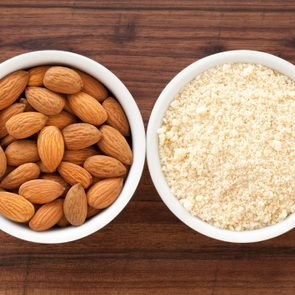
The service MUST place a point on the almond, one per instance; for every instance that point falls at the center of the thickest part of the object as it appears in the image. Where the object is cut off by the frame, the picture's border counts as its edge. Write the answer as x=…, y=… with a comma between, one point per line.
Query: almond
x=61, y=120
x=6, y=114
x=87, y=108
x=114, y=144
x=3, y=162
x=92, y=211
x=7, y=140
x=79, y=156
x=47, y=216
x=25, y=124
x=58, y=179
x=73, y=174
x=103, y=193
x=67, y=107
x=116, y=116
x=36, y=75
x=50, y=147
x=20, y=175
x=11, y=87
x=80, y=135
x=104, y=167
x=93, y=87
x=63, y=222
x=75, y=205
x=41, y=191
x=21, y=151
x=42, y=168
x=15, y=207
x=63, y=80
x=44, y=100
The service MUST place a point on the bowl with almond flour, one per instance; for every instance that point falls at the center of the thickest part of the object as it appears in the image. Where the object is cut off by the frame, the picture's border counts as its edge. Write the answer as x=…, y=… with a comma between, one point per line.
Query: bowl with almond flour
x=221, y=146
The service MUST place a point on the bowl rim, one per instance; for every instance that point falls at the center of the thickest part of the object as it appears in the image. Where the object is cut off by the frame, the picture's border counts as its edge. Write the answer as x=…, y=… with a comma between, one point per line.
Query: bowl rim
x=160, y=107
x=120, y=91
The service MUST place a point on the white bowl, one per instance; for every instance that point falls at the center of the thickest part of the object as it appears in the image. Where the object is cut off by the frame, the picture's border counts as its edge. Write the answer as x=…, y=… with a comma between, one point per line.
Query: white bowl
x=119, y=90
x=158, y=178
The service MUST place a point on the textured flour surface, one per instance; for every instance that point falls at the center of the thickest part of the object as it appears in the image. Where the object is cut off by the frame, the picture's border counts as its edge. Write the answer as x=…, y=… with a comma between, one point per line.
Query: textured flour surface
x=227, y=146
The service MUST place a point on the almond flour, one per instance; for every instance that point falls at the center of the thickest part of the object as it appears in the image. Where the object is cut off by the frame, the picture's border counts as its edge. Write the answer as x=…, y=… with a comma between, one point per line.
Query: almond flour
x=227, y=146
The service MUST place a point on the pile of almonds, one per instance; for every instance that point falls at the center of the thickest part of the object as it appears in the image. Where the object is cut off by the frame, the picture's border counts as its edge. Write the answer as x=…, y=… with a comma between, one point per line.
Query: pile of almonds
x=64, y=152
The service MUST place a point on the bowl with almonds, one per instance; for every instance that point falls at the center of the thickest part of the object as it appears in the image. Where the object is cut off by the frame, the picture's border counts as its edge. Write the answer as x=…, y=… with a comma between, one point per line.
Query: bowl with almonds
x=72, y=146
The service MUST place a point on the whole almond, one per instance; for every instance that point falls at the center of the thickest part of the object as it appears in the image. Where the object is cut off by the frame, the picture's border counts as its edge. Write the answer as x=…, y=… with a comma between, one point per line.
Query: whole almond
x=3, y=162
x=7, y=113
x=15, y=207
x=73, y=174
x=25, y=124
x=79, y=156
x=116, y=116
x=36, y=75
x=80, y=135
x=75, y=205
x=47, y=216
x=50, y=147
x=114, y=144
x=93, y=87
x=103, y=193
x=20, y=175
x=7, y=140
x=41, y=191
x=61, y=120
x=42, y=168
x=67, y=107
x=21, y=151
x=11, y=87
x=87, y=108
x=58, y=179
x=63, y=80
x=104, y=167
x=44, y=100
x=92, y=211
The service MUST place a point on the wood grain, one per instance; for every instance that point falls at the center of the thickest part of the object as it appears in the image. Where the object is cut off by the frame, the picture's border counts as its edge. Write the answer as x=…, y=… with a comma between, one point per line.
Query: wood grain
x=146, y=250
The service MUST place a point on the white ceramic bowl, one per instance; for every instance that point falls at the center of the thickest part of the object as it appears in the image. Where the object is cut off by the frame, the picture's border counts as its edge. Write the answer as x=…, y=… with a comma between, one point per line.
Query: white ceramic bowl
x=158, y=178
x=98, y=71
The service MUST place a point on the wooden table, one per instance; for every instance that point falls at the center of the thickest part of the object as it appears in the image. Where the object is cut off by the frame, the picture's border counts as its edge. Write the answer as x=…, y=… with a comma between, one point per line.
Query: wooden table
x=146, y=250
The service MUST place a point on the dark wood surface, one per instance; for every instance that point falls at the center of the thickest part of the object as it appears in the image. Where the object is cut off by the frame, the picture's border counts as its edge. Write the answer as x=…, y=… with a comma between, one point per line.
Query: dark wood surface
x=146, y=250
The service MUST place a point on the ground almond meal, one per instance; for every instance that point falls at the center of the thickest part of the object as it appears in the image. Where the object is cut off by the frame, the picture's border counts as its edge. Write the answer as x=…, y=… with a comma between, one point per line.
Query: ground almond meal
x=227, y=146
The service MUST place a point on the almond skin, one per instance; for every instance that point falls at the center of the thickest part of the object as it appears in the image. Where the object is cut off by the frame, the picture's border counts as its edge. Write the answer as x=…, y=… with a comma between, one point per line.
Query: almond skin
x=50, y=147
x=87, y=108
x=63, y=80
x=7, y=140
x=11, y=87
x=25, y=124
x=116, y=116
x=58, y=179
x=114, y=144
x=44, y=100
x=104, y=167
x=93, y=87
x=29, y=108
x=73, y=174
x=92, y=211
x=21, y=151
x=80, y=135
x=79, y=156
x=75, y=205
x=47, y=216
x=3, y=162
x=15, y=207
x=6, y=114
x=63, y=222
x=20, y=175
x=36, y=75
x=61, y=120
x=103, y=193
x=41, y=191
